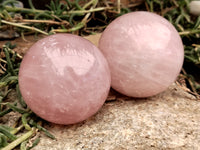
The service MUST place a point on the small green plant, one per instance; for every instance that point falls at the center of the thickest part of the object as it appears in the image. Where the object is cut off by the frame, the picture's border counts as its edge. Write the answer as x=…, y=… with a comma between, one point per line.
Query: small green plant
x=28, y=123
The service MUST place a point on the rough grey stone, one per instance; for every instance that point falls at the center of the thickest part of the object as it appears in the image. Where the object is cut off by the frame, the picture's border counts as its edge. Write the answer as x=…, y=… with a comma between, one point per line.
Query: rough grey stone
x=169, y=120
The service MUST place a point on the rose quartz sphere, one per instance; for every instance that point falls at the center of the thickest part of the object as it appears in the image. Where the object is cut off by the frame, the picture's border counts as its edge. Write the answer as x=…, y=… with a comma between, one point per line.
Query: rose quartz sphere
x=64, y=78
x=144, y=52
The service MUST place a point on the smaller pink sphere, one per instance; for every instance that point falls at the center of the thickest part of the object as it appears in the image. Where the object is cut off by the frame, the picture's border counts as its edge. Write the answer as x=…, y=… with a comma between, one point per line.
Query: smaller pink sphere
x=144, y=52
x=64, y=78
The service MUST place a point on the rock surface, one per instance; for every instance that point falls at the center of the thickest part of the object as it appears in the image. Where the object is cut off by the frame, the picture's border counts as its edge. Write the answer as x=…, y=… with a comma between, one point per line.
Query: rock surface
x=169, y=120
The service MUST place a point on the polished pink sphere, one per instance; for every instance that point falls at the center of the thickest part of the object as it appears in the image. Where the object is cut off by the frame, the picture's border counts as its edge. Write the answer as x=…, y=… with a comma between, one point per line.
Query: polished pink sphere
x=64, y=78
x=144, y=52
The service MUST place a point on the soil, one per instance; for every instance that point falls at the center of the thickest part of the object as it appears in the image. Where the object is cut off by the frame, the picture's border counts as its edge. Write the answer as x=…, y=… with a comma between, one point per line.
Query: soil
x=23, y=44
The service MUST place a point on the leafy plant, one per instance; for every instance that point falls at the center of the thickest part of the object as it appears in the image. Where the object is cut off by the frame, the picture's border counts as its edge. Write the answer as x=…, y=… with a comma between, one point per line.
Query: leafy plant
x=28, y=122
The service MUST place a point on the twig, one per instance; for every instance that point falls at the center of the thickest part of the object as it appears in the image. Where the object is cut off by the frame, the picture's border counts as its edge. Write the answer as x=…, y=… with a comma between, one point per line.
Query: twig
x=191, y=83
x=119, y=6
x=189, y=32
x=134, y=5
x=16, y=130
x=88, y=4
x=89, y=11
x=77, y=27
x=44, y=21
x=25, y=27
x=18, y=10
x=2, y=60
x=15, y=9
x=188, y=90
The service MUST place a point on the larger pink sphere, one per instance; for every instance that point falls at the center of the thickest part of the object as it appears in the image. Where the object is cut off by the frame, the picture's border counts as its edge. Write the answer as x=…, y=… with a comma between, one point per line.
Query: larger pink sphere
x=64, y=78
x=144, y=51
